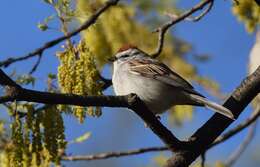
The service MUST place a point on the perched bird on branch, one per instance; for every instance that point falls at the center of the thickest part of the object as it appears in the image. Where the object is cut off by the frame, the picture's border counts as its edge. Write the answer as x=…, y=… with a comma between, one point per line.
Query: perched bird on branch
x=155, y=83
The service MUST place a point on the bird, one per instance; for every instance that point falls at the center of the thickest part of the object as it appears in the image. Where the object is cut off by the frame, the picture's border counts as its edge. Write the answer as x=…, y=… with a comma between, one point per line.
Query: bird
x=158, y=86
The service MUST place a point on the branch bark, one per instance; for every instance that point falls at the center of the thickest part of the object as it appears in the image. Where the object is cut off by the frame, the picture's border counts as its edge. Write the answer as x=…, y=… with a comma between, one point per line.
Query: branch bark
x=206, y=135
x=112, y=154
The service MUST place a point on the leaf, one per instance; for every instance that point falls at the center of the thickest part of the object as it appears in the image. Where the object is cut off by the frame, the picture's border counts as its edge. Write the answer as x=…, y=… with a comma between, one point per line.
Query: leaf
x=220, y=164
x=49, y=18
x=248, y=12
x=52, y=76
x=179, y=114
x=48, y=1
x=202, y=57
x=160, y=160
x=42, y=26
x=26, y=79
x=81, y=138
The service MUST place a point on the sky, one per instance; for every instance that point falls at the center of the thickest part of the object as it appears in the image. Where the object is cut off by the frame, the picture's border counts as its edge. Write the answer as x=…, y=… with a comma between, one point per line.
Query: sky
x=219, y=34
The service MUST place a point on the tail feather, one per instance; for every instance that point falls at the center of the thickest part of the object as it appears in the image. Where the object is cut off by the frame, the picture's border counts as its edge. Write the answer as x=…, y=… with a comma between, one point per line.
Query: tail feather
x=214, y=106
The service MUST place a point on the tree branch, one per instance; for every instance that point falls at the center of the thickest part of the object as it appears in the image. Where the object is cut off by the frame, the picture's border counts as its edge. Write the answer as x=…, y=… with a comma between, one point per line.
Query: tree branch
x=112, y=154
x=203, y=159
x=131, y=101
x=241, y=148
x=257, y=2
x=188, y=151
x=206, y=135
x=163, y=29
x=219, y=140
x=5, y=80
x=107, y=82
x=92, y=19
x=34, y=68
x=237, y=129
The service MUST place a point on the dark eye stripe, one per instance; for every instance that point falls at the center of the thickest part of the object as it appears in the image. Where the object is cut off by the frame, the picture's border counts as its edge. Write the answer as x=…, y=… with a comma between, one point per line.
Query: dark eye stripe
x=124, y=56
x=128, y=55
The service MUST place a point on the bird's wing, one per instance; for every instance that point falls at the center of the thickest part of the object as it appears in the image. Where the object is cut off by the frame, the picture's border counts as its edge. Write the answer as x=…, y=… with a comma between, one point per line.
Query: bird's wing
x=154, y=69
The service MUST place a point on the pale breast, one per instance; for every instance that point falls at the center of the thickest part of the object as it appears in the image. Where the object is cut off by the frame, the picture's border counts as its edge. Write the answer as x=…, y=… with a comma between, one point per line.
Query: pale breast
x=157, y=95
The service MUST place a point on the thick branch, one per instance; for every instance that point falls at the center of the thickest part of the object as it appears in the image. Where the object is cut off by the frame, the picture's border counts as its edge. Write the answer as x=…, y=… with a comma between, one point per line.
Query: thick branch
x=92, y=19
x=5, y=80
x=206, y=135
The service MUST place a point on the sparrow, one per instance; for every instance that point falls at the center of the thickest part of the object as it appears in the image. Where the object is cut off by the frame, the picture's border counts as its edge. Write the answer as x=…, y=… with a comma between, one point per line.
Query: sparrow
x=158, y=86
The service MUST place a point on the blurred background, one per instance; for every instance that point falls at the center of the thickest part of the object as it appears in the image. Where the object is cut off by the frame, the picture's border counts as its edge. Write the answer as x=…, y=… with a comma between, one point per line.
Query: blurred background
x=212, y=53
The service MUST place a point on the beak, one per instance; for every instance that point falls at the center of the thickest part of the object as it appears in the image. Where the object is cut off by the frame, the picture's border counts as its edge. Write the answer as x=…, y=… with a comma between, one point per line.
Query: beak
x=112, y=59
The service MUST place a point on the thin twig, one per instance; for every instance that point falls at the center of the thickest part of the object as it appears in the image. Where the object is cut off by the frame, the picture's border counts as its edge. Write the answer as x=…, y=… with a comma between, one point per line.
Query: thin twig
x=107, y=82
x=34, y=68
x=238, y=128
x=92, y=19
x=241, y=148
x=112, y=154
x=163, y=29
x=203, y=159
x=193, y=19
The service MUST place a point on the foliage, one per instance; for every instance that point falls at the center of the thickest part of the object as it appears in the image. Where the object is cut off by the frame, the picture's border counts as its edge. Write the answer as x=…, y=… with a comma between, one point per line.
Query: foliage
x=106, y=36
x=77, y=74
x=36, y=140
x=25, y=79
x=180, y=113
x=249, y=13
x=81, y=138
x=160, y=160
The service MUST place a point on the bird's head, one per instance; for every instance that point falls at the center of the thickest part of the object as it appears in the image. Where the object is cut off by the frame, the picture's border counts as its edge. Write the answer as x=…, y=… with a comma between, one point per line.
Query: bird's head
x=126, y=52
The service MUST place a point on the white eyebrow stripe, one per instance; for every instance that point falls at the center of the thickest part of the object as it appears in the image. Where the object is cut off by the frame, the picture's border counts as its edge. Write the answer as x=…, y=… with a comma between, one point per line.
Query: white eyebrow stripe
x=135, y=52
x=130, y=52
x=122, y=53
